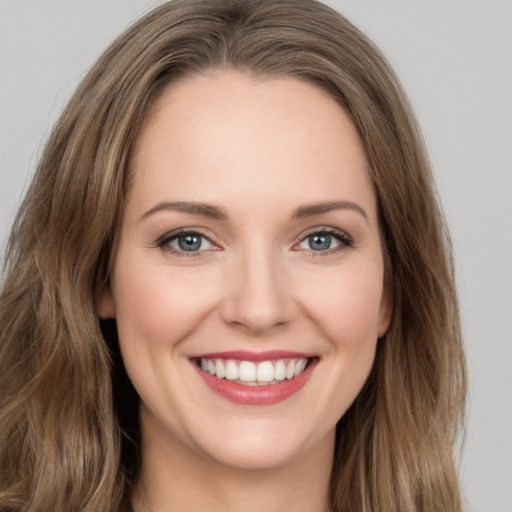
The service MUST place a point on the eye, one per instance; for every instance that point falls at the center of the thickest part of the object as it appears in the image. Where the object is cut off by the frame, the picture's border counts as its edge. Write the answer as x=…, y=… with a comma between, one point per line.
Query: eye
x=186, y=242
x=318, y=242
x=325, y=241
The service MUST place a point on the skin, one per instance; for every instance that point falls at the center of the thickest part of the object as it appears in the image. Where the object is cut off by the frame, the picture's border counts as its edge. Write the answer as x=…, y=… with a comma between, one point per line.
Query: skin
x=259, y=149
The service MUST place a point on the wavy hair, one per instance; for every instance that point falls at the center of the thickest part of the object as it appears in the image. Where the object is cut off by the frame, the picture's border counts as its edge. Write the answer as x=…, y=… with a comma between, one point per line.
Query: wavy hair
x=68, y=417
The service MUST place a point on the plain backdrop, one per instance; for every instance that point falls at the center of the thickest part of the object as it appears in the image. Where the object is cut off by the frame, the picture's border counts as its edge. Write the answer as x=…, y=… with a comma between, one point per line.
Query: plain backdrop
x=455, y=60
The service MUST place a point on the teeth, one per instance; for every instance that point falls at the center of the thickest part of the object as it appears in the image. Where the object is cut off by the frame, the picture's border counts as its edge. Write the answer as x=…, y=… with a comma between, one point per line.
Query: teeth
x=265, y=372
x=247, y=371
x=280, y=371
x=253, y=374
x=299, y=367
x=220, y=370
x=290, y=369
x=231, y=370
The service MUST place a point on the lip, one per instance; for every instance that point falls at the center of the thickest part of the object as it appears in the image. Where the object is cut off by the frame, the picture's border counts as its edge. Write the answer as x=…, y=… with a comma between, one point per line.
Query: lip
x=246, y=355
x=256, y=395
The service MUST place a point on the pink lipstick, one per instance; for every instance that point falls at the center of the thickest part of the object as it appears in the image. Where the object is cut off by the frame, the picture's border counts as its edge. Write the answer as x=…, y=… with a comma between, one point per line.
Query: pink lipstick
x=250, y=378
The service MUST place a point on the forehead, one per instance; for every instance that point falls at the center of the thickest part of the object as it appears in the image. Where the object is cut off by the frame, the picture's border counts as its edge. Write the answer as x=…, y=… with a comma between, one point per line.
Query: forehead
x=230, y=135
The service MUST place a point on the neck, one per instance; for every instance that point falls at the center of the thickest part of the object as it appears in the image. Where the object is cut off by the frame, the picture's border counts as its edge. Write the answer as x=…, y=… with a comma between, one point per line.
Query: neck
x=175, y=478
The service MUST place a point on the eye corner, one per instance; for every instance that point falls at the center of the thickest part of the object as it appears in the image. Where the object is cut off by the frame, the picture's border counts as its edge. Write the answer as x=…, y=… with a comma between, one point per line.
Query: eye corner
x=185, y=242
x=327, y=240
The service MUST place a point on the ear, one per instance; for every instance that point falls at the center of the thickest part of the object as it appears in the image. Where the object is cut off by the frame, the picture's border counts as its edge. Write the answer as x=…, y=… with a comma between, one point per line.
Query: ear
x=385, y=312
x=106, y=304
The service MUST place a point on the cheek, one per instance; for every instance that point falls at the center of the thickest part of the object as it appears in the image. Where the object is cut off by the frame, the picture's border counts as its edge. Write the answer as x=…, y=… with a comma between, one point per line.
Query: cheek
x=158, y=305
x=347, y=307
x=345, y=311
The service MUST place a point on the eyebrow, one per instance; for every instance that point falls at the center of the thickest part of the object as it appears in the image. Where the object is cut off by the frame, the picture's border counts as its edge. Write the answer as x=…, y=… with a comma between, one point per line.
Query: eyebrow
x=215, y=212
x=206, y=210
x=309, y=210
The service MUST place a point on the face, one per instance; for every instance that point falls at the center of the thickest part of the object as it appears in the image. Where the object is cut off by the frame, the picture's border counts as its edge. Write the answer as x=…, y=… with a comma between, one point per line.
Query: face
x=248, y=281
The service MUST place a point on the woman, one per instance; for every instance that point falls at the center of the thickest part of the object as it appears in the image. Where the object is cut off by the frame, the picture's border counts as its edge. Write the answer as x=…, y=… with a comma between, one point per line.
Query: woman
x=230, y=284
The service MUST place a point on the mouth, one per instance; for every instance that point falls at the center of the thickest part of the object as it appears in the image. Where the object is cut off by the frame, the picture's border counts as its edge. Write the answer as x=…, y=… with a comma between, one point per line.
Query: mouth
x=249, y=373
x=255, y=379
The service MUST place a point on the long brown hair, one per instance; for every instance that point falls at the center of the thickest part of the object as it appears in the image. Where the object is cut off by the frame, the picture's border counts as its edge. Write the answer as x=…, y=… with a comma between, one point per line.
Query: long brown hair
x=68, y=432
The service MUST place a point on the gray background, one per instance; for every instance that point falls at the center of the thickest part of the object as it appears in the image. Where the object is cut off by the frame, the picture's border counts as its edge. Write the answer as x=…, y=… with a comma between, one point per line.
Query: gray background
x=455, y=60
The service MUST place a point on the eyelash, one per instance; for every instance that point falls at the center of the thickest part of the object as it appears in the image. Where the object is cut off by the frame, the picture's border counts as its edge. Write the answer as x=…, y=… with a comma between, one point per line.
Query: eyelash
x=164, y=242
x=345, y=242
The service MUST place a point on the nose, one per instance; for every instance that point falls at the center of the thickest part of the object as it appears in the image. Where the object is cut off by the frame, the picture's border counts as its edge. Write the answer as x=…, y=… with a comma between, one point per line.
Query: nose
x=259, y=296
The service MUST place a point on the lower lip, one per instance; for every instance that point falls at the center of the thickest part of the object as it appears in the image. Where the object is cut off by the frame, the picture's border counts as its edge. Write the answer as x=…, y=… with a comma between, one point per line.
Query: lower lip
x=257, y=395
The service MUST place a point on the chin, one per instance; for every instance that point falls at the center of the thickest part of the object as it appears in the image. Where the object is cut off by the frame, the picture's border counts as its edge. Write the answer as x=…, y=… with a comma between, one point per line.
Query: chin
x=256, y=453
x=249, y=444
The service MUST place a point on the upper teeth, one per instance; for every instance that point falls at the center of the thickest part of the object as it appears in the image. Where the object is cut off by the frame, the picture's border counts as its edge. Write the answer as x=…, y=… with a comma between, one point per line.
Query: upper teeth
x=246, y=372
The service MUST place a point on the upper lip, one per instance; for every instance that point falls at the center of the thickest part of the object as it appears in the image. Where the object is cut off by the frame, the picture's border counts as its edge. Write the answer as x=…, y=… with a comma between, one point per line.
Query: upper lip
x=247, y=355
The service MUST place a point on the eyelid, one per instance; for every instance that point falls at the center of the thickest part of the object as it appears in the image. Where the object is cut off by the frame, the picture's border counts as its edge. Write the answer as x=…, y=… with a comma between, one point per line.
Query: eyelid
x=345, y=240
x=163, y=241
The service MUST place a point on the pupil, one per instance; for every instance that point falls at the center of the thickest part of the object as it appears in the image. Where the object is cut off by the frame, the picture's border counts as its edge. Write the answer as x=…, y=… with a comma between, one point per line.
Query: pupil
x=189, y=242
x=319, y=242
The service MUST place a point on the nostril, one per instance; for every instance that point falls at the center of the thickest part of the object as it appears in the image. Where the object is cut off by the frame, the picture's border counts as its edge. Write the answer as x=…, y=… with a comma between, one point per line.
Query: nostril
x=257, y=316
x=258, y=296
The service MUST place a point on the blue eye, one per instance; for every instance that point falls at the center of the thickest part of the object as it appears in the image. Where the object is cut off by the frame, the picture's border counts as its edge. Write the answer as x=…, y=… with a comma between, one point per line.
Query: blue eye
x=319, y=242
x=325, y=241
x=186, y=242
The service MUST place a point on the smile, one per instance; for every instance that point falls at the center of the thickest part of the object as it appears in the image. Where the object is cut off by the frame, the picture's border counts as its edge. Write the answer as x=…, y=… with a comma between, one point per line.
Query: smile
x=255, y=379
x=249, y=373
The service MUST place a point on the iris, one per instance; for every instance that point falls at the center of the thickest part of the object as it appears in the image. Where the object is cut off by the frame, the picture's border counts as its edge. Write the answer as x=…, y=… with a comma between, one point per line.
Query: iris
x=319, y=242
